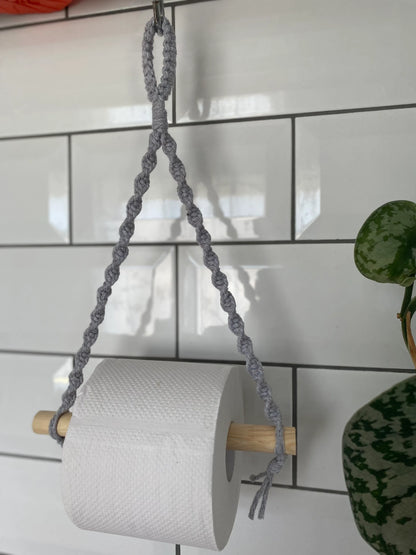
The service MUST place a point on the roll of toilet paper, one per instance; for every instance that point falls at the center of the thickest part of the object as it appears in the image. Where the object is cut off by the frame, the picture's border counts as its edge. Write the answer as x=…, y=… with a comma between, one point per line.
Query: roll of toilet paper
x=145, y=453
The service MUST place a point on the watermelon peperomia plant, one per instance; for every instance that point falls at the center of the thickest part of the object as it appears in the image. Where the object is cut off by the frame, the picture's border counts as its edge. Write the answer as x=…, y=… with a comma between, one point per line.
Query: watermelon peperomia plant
x=379, y=441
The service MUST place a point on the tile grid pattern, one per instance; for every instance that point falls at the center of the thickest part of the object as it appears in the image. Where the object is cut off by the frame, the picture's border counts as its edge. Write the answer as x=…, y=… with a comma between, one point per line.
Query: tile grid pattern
x=294, y=118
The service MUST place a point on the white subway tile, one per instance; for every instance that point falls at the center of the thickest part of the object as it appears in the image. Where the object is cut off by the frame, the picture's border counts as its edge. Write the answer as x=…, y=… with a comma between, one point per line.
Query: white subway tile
x=240, y=173
x=11, y=20
x=302, y=304
x=296, y=523
x=31, y=383
x=326, y=401
x=47, y=294
x=86, y=7
x=34, y=522
x=78, y=75
x=280, y=381
x=347, y=165
x=242, y=58
x=34, y=191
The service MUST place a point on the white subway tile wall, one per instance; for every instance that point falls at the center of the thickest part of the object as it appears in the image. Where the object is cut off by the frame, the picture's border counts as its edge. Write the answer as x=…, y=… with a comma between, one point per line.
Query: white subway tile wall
x=240, y=173
x=298, y=521
x=369, y=156
x=34, y=193
x=300, y=302
x=47, y=294
x=72, y=76
x=315, y=106
x=326, y=400
x=241, y=58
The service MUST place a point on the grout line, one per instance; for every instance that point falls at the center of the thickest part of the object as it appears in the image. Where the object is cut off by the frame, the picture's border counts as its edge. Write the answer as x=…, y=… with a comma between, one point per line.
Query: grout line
x=176, y=302
x=70, y=210
x=298, y=488
x=293, y=182
x=32, y=24
x=76, y=133
x=30, y=457
x=230, y=362
x=316, y=113
x=93, y=15
x=295, y=423
x=186, y=2
x=317, y=490
x=243, y=243
x=272, y=117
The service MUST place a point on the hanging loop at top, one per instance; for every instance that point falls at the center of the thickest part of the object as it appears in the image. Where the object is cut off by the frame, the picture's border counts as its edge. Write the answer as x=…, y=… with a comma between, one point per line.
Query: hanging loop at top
x=158, y=15
x=164, y=88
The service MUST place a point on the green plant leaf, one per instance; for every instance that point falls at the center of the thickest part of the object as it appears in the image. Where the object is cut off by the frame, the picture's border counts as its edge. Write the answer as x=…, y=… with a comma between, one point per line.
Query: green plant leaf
x=385, y=249
x=379, y=458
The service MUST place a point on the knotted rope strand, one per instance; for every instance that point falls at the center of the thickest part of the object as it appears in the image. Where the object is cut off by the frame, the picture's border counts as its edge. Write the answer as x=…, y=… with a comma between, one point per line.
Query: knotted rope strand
x=160, y=137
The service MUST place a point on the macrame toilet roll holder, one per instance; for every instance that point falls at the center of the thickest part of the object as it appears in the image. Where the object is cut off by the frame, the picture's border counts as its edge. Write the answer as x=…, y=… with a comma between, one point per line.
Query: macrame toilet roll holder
x=160, y=138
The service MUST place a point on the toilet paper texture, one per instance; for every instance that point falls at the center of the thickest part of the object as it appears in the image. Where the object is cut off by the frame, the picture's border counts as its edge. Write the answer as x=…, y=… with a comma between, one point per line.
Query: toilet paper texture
x=145, y=452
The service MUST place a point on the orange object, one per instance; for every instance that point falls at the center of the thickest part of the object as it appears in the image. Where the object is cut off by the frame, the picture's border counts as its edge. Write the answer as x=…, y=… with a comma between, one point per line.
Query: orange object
x=32, y=6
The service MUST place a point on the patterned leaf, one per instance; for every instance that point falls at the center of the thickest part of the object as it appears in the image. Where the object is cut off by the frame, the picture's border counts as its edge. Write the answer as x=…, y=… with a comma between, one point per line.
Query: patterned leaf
x=379, y=457
x=385, y=249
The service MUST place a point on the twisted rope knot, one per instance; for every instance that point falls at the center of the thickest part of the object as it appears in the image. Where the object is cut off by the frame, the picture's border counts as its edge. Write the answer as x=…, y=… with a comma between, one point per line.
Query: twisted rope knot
x=103, y=293
x=120, y=252
x=76, y=381
x=177, y=169
x=81, y=359
x=227, y=302
x=195, y=216
x=90, y=335
x=97, y=316
x=159, y=116
x=126, y=229
x=236, y=324
x=185, y=194
x=219, y=279
x=245, y=346
x=211, y=260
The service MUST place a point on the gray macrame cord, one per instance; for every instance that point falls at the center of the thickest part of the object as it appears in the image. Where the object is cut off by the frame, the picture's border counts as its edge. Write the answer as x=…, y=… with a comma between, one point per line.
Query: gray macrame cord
x=159, y=137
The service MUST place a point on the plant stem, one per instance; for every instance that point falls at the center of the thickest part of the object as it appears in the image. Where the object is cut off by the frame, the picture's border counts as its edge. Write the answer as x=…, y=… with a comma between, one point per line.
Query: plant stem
x=406, y=312
x=402, y=315
x=410, y=341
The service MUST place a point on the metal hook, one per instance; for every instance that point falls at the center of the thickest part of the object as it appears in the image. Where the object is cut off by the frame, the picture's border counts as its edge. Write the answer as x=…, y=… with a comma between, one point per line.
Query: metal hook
x=158, y=12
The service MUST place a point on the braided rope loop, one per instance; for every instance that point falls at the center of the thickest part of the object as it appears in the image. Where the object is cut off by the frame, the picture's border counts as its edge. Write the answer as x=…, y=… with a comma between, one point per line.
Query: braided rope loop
x=160, y=137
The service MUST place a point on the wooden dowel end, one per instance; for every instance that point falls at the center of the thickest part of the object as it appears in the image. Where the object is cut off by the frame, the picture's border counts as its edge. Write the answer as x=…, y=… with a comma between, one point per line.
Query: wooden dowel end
x=241, y=437
x=41, y=420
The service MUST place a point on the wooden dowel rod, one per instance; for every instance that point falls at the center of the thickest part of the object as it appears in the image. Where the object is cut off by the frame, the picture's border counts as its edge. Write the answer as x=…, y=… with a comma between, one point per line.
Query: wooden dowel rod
x=241, y=437
x=258, y=438
x=41, y=420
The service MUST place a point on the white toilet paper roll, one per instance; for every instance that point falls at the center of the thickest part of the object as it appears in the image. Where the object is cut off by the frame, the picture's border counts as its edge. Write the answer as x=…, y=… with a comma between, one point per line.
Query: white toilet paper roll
x=145, y=453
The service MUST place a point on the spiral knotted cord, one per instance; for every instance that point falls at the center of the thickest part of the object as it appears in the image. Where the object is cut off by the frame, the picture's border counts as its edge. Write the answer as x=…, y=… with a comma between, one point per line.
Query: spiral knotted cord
x=160, y=137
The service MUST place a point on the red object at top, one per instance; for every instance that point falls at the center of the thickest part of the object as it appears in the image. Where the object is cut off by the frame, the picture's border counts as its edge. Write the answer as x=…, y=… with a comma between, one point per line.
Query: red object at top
x=32, y=6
